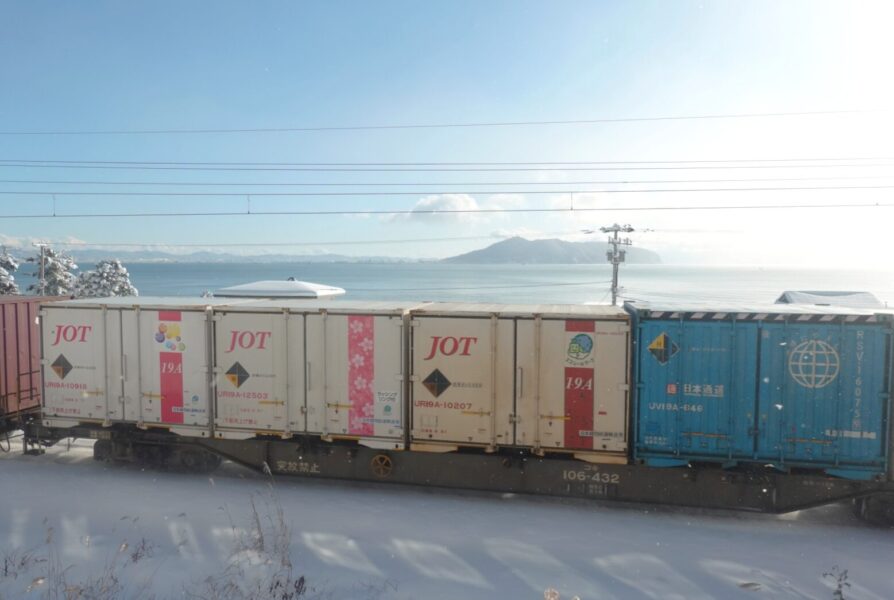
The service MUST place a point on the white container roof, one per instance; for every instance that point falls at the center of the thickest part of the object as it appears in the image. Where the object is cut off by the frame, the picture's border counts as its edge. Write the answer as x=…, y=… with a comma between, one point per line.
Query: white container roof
x=165, y=302
x=279, y=289
x=556, y=311
x=827, y=298
x=330, y=306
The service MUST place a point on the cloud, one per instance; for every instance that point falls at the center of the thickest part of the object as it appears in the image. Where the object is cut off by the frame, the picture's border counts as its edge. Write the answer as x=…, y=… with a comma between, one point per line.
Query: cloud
x=26, y=244
x=456, y=207
x=461, y=207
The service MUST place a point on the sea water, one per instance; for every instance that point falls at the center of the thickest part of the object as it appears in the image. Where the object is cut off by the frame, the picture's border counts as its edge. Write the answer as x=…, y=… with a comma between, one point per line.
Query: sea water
x=518, y=283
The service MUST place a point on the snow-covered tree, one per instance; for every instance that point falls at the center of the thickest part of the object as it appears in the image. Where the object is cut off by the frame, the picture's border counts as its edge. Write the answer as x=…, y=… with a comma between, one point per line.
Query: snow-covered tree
x=58, y=273
x=109, y=279
x=8, y=266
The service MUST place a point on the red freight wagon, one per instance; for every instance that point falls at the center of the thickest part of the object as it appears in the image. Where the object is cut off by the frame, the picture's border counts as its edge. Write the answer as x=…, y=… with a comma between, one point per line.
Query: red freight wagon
x=19, y=357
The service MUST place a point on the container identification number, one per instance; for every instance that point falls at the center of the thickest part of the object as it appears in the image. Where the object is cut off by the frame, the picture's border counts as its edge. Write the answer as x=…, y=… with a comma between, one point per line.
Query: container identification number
x=571, y=475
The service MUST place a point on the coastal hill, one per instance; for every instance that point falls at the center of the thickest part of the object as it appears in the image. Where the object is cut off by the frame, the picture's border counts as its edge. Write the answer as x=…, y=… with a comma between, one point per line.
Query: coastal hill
x=521, y=251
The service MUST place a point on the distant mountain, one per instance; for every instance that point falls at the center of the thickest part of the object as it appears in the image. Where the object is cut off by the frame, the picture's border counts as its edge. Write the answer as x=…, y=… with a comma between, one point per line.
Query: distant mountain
x=521, y=251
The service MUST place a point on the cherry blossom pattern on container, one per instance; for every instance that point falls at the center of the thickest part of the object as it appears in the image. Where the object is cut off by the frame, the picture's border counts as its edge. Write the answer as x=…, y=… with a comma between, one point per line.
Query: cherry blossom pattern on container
x=361, y=372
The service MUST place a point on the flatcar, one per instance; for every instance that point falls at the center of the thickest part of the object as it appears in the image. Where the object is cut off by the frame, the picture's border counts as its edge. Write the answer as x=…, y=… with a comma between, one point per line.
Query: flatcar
x=773, y=408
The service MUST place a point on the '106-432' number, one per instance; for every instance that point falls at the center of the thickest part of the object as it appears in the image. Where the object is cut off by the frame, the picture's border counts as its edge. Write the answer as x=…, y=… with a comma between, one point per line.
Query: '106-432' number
x=597, y=477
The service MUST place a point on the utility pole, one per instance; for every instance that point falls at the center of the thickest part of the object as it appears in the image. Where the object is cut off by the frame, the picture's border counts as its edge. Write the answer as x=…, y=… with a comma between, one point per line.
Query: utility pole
x=42, y=281
x=616, y=255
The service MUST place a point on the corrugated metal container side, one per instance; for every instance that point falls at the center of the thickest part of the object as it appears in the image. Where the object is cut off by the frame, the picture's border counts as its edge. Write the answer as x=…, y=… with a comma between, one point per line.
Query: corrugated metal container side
x=144, y=361
x=258, y=373
x=462, y=380
x=336, y=370
x=542, y=377
x=789, y=386
x=20, y=386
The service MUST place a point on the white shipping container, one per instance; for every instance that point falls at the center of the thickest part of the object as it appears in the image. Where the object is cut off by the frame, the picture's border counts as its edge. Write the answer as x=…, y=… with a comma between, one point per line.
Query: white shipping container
x=132, y=360
x=462, y=383
x=546, y=377
x=259, y=373
x=572, y=380
x=355, y=372
x=328, y=368
x=78, y=385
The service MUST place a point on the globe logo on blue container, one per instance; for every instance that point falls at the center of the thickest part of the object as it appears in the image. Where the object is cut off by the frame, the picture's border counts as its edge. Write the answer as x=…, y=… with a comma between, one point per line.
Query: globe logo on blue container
x=814, y=364
x=580, y=347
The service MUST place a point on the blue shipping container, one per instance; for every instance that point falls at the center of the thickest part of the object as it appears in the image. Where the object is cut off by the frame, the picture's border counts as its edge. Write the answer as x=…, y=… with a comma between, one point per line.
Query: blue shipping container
x=788, y=387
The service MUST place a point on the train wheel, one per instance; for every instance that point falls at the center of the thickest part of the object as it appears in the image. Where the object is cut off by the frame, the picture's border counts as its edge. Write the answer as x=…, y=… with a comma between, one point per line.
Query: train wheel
x=195, y=460
x=877, y=509
x=381, y=466
x=102, y=450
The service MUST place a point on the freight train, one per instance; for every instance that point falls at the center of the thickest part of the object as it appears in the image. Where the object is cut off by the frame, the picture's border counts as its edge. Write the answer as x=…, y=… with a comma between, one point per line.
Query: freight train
x=773, y=408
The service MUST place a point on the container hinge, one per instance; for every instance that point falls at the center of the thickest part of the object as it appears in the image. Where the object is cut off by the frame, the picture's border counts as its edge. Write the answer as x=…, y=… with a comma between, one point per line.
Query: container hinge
x=624, y=387
x=217, y=317
x=413, y=378
x=414, y=323
x=513, y=418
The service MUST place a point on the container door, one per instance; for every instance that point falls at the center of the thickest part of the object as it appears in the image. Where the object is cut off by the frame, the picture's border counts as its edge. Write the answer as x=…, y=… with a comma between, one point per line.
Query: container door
x=19, y=355
x=822, y=393
x=454, y=393
x=173, y=367
x=697, y=389
x=130, y=365
x=576, y=397
x=259, y=376
x=76, y=385
x=355, y=377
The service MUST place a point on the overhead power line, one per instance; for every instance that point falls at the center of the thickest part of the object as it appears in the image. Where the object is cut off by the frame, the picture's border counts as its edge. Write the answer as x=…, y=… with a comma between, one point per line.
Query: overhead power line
x=439, y=211
x=177, y=131
x=481, y=287
x=452, y=169
x=541, y=235
x=293, y=244
x=438, y=183
x=466, y=192
x=443, y=163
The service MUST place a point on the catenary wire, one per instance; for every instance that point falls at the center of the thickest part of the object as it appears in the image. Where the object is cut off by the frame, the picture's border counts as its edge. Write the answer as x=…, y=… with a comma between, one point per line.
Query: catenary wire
x=144, y=167
x=443, y=163
x=169, y=131
x=577, y=232
x=481, y=287
x=287, y=244
x=468, y=192
x=444, y=183
x=438, y=211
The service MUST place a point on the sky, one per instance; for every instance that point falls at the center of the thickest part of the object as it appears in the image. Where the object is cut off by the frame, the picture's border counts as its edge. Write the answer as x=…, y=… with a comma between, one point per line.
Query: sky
x=137, y=66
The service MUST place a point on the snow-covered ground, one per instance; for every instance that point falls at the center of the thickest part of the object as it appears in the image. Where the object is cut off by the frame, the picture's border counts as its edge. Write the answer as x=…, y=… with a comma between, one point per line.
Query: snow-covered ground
x=380, y=541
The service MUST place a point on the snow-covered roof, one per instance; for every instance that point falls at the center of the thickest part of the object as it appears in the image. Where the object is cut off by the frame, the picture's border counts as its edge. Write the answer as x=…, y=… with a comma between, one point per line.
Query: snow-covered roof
x=279, y=289
x=824, y=298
